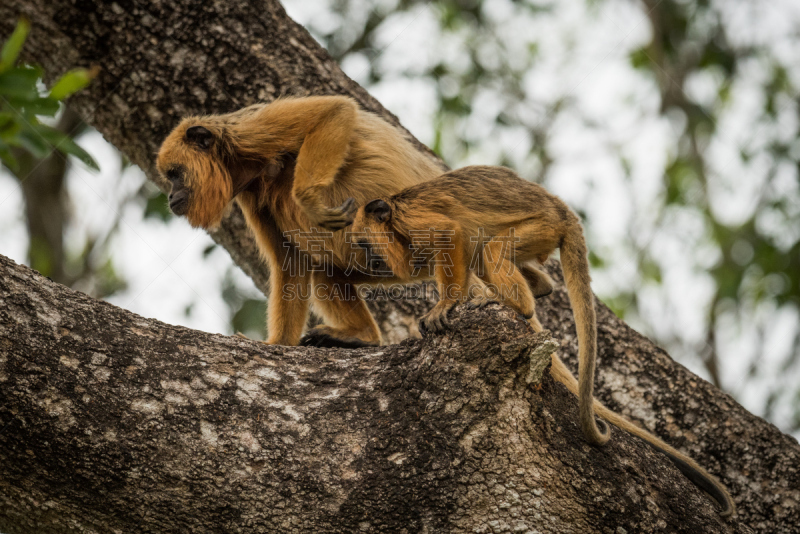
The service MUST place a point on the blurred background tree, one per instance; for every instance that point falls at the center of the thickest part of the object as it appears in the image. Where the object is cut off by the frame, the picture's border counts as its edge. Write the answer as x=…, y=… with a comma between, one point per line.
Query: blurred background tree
x=35, y=152
x=670, y=126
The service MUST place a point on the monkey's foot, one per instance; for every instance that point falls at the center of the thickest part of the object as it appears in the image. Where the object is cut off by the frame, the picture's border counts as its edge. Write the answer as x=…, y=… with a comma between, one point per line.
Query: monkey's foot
x=543, y=293
x=480, y=302
x=435, y=320
x=326, y=337
x=535, y=324
x=336, y=218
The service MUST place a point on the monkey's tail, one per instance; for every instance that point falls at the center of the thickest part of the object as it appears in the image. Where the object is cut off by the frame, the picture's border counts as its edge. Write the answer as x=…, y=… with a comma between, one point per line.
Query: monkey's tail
x=696, y=474
x=575, y=267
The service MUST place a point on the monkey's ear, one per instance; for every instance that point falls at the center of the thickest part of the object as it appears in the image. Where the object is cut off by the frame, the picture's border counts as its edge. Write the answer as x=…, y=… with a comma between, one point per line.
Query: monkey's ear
x=379, y=210
x=200, y=136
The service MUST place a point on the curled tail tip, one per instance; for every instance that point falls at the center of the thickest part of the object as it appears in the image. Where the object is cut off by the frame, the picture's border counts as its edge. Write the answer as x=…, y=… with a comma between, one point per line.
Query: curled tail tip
x=703, y=480
x=604, y=429
x=597, y=433
x=728, y=507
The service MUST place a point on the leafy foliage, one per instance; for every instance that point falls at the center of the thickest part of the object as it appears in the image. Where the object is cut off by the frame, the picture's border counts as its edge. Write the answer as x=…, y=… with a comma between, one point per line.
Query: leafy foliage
x=22, y=103
x=157, y=206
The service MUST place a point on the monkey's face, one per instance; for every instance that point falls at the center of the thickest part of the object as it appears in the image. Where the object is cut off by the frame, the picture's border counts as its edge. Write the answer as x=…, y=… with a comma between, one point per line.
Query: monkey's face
x=179, y=194
x=376, y=255
x=372, y=235
x=201, y=186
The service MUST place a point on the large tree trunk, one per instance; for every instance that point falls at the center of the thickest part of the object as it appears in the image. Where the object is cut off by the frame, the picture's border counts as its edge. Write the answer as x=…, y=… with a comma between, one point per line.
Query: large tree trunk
x=127, y=428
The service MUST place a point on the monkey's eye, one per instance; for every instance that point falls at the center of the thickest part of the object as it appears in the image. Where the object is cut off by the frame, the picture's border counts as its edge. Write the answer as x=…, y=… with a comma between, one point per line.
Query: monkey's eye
x=174, y=175
x=363, y=243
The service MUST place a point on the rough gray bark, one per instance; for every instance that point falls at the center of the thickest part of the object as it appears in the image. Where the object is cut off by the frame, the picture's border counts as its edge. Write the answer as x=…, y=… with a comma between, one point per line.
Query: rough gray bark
x=160, y=63
x=116, y=423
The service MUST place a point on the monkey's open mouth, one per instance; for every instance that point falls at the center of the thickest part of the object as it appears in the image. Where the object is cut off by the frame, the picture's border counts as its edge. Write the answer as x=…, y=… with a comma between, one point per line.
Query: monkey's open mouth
x=179, y=205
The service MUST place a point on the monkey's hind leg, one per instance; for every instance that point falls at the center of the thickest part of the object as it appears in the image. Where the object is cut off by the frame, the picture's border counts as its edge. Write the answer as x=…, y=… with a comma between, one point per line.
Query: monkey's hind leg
x=348, y=322
x=507, y=284
x=539, y=281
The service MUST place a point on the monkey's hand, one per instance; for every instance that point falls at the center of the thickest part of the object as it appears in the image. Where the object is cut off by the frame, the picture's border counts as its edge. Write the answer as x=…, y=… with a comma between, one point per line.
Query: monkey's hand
x=335, y=218
x=435, y=320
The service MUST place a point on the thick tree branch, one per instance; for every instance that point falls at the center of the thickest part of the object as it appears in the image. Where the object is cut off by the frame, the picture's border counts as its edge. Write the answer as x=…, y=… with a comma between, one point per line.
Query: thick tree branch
x=116, y=423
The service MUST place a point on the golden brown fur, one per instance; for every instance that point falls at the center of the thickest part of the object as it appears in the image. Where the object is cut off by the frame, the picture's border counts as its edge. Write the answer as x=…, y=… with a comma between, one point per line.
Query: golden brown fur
x=292, y=166
x=489, y=221
x=455, y=211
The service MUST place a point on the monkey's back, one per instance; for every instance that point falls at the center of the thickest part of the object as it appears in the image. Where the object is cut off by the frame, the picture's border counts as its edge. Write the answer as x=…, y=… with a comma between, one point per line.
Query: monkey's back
x=379, y=161
x=486, y=194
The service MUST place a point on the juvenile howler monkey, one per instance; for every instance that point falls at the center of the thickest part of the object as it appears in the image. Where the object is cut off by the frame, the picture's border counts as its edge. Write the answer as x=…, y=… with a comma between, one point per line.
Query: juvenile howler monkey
x=298, y=168
x=490, y=222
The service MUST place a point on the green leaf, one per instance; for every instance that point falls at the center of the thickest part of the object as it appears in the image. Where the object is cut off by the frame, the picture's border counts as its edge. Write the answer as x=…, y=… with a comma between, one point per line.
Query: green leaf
x=66, y=145
x=72, y=82
x=12, y=48
x=596, y=261
x=21, y=103
x=8, y=158
x=621, y=303
x=73, y=149
x=250, y=318
x=37, y=106
x=650, y=270
x=108, y=281
x=41, y=256
x=9, y=127
x=20, y=82
x=640, y=59
x=34, y=143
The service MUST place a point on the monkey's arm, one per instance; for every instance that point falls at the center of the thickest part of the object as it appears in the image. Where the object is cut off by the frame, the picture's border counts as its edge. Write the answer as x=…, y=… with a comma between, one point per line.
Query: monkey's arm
x=319, y=130
x=287, y=311
x=539, y=281
x=289, y=278
x=450, y=270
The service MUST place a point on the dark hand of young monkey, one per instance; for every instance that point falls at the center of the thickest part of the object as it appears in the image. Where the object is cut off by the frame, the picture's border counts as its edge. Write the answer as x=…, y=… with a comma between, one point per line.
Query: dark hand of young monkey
x=435, y=320
x=320, y=337
x=340, y=217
